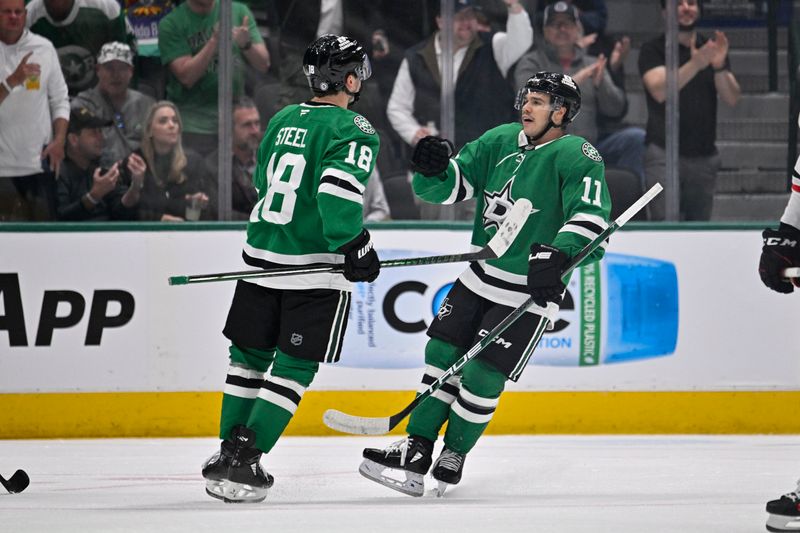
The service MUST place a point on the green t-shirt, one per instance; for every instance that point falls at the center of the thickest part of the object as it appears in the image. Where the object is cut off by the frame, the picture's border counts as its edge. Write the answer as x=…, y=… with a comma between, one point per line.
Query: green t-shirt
x=183, y=33
x=564, y=180
x=313, y=166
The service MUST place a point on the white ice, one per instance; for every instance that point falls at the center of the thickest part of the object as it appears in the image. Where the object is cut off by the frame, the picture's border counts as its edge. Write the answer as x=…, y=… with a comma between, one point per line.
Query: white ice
x=560, y=484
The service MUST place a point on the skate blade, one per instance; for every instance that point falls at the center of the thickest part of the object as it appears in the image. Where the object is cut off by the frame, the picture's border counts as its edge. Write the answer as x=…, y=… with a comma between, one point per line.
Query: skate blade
x=439, y=490
x=243, y=493
x=215, y=489
x=414, y=484
x=777, y=522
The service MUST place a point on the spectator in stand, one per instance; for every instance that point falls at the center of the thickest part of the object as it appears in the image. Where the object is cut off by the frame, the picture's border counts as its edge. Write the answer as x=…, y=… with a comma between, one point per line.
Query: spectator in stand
x=78, y=29
x=246, y=138
x=376, y=207
x=34, y=112
x=85, y=190
x=144, y=17
x=113, y=100
x=593, y=17
x=177, y=184
x=560, y=52
x=188, y=42
x=704, y=76
x=480, y=64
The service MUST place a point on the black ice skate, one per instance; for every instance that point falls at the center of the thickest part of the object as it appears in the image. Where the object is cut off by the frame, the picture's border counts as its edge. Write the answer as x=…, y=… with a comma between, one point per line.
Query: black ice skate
x=410, y=456
x=234, y=474
x=447, y=470
x=784, y=513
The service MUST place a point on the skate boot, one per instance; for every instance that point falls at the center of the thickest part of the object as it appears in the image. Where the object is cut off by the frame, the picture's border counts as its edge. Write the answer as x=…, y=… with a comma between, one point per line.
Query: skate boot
x=234, y=473
x=447, y=470
x=410, y=457
x=784, y=513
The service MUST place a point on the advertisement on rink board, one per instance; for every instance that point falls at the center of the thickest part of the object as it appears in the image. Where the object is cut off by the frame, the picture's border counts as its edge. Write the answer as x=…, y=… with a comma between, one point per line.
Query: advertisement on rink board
x=92, y=311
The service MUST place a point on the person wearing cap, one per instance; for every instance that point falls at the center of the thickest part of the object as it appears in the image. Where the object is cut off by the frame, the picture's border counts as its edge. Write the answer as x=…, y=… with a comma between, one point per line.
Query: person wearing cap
x=560, y=52
x=113, y=99
x=704, y=77
x=34, y=110
x=85, y=190
x=480, y=64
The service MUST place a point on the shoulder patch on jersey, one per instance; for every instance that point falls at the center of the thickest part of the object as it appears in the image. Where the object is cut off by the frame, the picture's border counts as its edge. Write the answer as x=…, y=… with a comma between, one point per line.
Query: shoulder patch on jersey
x=591, y=152
x=364, y=125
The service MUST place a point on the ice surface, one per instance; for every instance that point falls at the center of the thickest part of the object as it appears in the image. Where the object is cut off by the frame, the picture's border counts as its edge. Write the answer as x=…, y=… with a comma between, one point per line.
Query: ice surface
x=559, y=484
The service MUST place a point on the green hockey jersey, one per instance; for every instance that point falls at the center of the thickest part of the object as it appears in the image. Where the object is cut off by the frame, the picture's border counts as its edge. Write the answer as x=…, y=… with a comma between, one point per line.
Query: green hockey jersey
x=312, y=170
x=80, y=36
x=565, y=181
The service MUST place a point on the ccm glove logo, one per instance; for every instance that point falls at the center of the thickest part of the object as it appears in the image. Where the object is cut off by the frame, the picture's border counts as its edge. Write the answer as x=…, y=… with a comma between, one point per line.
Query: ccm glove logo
x=780, y=241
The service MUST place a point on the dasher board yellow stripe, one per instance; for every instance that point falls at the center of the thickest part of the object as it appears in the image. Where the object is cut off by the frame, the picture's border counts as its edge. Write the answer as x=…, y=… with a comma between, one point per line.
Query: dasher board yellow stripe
x=191, y=414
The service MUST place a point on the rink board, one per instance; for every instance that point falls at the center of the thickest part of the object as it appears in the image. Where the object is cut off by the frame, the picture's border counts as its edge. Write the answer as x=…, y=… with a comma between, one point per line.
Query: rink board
x=93, y=342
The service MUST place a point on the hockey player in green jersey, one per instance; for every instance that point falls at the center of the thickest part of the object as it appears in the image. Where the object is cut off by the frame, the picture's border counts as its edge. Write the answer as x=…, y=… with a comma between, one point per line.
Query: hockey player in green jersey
x=563, y=177
x=312, y=169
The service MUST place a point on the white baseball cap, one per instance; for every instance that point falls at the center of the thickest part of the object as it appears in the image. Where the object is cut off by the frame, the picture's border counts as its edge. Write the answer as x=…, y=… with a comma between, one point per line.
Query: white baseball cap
x=115, y=51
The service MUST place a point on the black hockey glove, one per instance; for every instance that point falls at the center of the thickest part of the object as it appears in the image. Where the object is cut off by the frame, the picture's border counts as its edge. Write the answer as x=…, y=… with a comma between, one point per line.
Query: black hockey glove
x=781, y=250
x=361, y=261
x=544, y=274
x=431, y=156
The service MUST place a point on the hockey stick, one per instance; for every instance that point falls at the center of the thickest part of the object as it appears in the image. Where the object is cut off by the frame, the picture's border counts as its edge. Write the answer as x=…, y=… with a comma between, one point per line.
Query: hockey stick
x=18, y=482
x=793, y=272
x=496, y=247
x=360, y=425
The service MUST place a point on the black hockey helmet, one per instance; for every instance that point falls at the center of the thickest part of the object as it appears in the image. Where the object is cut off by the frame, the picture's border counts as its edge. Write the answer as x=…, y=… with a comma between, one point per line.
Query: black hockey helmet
x=329, y=60
x=562, y=89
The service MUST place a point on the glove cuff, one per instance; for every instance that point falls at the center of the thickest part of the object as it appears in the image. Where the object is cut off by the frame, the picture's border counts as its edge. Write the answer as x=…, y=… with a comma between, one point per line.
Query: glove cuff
x=361, y=240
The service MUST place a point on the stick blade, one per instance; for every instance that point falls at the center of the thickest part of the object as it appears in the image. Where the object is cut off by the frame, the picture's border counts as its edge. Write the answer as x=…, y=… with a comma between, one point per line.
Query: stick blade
x=17, y=482
x=355, y=425
x=511, y=227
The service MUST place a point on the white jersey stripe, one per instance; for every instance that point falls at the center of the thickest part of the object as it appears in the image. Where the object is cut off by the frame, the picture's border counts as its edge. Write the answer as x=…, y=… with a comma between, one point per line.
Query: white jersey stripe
x=344, y=194
x=477, y=400
x=288, y=383
x=469, y=416
x=240, y=392
x=285, y=259
x=276, y=399
x=344, y=176
x=242, y=372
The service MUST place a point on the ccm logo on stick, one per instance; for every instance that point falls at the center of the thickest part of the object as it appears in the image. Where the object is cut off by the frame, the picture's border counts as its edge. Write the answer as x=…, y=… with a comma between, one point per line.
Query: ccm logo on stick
x=13, y=321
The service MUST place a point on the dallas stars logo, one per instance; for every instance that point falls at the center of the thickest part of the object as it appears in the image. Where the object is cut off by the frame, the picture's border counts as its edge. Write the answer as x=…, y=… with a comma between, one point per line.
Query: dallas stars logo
x=497, y=205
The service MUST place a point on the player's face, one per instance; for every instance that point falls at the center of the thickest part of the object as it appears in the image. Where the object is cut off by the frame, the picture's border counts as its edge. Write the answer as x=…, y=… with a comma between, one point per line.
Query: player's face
x=536, y=113
x=165, y=128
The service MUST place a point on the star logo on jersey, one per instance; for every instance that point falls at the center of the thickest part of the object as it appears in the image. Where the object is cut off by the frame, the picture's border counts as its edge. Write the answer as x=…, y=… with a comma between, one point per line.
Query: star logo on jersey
x=296, y=339
x=364, y=125
x=497, y=205
x=591, y=152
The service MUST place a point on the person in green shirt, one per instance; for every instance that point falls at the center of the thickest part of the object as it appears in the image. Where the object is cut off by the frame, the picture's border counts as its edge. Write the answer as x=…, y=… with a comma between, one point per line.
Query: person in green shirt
x=563, y=176
x=188, y=42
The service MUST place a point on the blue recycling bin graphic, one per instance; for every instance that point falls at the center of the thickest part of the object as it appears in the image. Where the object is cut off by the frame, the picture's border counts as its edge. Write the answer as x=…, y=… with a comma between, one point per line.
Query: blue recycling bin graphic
x=622, y=309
